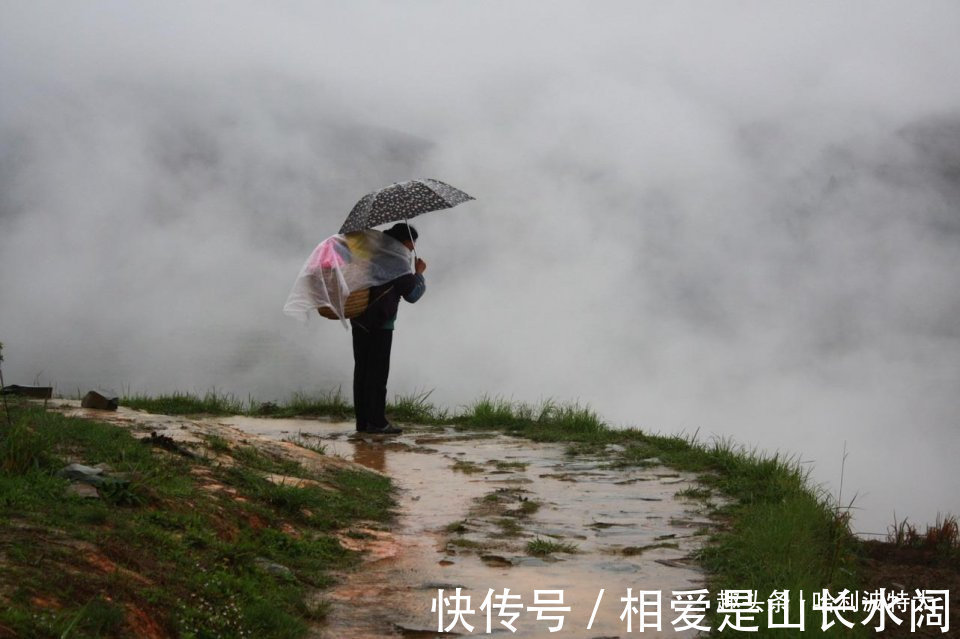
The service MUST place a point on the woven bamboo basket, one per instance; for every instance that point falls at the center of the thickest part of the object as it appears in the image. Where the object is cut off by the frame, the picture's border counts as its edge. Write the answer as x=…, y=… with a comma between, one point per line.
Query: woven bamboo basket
x=356, y=303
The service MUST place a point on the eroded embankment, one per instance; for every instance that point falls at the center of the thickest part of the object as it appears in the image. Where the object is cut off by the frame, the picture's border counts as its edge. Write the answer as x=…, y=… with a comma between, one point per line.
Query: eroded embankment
x=196, y=531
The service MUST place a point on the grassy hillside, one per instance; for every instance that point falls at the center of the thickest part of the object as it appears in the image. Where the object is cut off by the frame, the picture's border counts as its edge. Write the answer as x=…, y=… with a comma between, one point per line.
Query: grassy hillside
x=173, y=545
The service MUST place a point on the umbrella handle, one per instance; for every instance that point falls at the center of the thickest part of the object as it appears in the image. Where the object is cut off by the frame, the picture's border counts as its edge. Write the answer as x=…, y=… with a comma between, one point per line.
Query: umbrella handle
x=412, y=241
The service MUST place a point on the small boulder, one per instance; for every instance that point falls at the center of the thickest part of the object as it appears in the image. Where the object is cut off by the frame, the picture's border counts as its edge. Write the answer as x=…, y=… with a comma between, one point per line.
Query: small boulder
x=273, y=568
x=81, y=473
x=93, y=399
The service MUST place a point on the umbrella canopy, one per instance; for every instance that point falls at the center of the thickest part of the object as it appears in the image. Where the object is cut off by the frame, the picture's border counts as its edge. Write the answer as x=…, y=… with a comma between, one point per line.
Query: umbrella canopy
x=401, y=201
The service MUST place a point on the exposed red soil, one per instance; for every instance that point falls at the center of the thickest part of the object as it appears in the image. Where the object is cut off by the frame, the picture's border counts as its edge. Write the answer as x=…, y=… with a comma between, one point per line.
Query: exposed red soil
x=105, y=565
x=46, y=602
x=143, y=625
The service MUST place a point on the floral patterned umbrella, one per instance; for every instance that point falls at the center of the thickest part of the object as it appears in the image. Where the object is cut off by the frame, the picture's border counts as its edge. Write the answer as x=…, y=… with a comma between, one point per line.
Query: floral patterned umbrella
x=401, y=201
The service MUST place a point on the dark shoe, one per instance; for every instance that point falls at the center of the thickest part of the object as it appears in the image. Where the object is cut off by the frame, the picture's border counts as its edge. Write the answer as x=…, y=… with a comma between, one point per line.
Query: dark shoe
x=388, y=429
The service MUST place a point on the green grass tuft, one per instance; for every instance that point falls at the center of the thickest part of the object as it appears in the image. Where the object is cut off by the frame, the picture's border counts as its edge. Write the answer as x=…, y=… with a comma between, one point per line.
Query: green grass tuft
x=540, y=547
x=308, y=442
x=179, y=403
x=416, y=408
x=217, y=444
x=550, y=421
x=528, y=507
x=329, y=404
x=466, y=467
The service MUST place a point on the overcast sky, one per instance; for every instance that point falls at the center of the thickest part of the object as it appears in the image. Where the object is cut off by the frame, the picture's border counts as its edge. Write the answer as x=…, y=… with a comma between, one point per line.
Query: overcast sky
x=741, y=218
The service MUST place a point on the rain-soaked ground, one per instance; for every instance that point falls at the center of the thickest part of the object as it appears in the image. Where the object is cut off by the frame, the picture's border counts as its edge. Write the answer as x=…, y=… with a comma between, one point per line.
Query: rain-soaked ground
x=470, y=503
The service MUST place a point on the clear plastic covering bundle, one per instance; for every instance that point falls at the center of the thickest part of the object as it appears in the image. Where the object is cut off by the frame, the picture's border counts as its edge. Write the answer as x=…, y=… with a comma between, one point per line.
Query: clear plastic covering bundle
x=342, y=264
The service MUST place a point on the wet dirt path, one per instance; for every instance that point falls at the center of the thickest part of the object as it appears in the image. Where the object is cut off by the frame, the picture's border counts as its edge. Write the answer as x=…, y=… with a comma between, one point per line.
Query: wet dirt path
x=469, y=505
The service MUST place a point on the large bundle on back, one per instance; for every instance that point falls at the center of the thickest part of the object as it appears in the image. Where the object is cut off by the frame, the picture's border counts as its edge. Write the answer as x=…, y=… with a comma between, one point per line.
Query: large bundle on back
x=355, y=304
x=336, y=278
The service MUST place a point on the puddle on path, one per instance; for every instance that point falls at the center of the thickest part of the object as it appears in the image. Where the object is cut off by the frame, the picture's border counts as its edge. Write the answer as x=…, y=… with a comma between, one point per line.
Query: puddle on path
x=467, y=513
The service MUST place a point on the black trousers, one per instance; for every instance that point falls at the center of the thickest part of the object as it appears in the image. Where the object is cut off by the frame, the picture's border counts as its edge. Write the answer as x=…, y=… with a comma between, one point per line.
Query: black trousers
x=371, y=367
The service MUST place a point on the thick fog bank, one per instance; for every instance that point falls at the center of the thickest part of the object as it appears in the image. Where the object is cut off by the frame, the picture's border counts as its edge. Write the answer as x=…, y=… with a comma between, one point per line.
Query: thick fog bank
x=742, y=222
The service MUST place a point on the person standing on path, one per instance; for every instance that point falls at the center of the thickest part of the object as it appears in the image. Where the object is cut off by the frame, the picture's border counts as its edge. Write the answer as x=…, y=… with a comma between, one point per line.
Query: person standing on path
x=373, y=338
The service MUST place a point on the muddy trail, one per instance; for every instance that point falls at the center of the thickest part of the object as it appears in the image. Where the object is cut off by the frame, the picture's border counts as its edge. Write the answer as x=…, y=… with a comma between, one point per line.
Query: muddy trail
x=470, y=503
x=481, y=512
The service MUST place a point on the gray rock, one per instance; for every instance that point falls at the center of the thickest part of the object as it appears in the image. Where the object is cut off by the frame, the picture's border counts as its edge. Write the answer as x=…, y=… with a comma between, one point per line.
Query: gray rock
x=273, y=568
x=93, y=399
x=81, y=473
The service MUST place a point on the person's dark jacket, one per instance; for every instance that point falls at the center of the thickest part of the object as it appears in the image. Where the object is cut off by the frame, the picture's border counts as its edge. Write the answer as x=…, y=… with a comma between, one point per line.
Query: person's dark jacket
x=385, y=301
